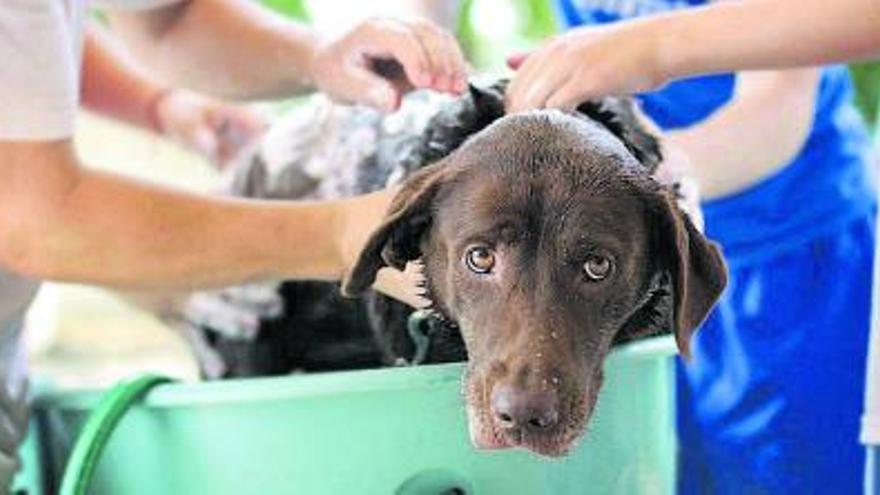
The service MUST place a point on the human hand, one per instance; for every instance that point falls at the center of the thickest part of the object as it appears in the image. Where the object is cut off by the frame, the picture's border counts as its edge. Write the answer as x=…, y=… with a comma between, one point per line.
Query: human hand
x=380, y=60
x=214, y=129
x=587, y=63
x=358, y=218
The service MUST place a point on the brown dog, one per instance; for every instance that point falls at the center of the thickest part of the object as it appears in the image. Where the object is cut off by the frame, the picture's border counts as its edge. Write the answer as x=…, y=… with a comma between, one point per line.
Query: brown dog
x=545, y=238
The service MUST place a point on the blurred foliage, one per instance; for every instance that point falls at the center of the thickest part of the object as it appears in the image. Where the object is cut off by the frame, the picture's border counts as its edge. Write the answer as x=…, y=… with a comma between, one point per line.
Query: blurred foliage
x=866, y=76
x=535, y=20
x=295, y=9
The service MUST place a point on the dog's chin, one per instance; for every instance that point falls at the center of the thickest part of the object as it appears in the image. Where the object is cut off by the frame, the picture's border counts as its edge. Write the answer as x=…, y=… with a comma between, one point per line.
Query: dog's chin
x=486, y=436
x=556, y=443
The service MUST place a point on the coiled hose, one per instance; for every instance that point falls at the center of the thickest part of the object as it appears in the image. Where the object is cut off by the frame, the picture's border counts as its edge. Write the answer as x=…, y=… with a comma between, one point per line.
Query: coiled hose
x=98, y=429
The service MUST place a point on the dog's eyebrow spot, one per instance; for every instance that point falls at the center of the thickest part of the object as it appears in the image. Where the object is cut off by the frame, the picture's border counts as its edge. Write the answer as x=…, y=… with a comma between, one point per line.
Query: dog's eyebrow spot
x=614, y=230
x=506, y=232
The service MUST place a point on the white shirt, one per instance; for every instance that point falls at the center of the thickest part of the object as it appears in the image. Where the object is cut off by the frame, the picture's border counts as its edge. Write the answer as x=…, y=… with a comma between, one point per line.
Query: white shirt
x=40, y=63
x=40, y=50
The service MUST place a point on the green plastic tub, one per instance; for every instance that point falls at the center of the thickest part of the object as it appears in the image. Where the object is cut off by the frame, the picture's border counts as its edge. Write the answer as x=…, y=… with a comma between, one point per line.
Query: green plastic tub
x=386, y=431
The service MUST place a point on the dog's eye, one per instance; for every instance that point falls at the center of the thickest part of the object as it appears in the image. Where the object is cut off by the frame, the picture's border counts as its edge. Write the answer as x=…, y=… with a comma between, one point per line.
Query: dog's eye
x=480, y=259
x=597, y=267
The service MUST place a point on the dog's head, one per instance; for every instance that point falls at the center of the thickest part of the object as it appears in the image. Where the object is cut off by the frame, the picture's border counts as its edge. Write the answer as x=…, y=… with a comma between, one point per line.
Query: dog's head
x=545, y=238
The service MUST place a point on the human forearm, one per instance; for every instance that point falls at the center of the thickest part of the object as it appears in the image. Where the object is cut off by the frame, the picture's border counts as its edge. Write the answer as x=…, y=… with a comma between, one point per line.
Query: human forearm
x=759, y=132
x=764, y=34
x=236, y=49
x=77, y=225
x=643, y=54
x=229, y=48
x=113, y=86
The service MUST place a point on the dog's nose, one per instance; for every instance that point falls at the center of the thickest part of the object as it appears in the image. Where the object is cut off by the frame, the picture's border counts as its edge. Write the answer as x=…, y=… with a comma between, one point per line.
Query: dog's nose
x=516, y=407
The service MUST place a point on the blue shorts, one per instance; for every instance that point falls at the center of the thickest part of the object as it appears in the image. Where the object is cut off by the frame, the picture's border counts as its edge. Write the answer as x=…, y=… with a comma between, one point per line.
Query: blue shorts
x=772, y=398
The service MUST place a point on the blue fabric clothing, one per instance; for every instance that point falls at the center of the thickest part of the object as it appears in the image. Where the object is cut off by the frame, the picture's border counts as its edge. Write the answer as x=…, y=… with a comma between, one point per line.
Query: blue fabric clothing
x=771, y=401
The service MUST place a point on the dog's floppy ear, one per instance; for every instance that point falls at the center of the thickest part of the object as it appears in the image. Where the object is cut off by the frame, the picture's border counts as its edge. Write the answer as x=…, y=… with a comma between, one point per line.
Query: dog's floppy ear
x=621, y=118
x=696, y=267
x=689, y=276
x=398, y=239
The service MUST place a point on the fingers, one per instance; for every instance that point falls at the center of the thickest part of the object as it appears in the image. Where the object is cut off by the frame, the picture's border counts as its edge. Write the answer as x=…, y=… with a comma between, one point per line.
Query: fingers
x=430, y=57
x=372, y=89
x=545, y=84
x=555, y=76
x=234, y=128
x=394, y=39
x=567, y=95
x=516, y=60
x=236, y=118
x=447, y=60
x=215, y=130
x=204, y=141
x=537, y=79
x=381, y=60
x=528, y=67
x=403, y=286
x=586, y=63
x=522, y=82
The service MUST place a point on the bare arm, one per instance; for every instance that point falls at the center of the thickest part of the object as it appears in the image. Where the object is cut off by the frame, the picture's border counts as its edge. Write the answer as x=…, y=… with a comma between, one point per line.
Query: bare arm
x=113, y=86
x=642, y=54
x=230, y=48
x=63, y=222
x=763, y=34
x=757, y=133
x=237, y=49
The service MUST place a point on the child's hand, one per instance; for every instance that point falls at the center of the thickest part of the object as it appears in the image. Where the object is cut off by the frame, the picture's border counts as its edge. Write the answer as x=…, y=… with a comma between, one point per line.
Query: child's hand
x=211, y=128
x=586, y=63
x=380, y=60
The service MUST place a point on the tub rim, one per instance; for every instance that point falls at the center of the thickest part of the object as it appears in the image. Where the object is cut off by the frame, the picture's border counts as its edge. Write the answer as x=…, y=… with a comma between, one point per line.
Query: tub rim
x=336, y=383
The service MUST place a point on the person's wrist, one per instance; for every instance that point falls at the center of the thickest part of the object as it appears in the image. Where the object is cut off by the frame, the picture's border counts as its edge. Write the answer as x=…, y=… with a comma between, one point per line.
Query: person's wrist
x=343, y=254
x=153, y=109
x=355, y=220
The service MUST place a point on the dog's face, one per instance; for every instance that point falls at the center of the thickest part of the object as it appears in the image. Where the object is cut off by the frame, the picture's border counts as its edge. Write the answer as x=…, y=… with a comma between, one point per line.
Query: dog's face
x=546, y=240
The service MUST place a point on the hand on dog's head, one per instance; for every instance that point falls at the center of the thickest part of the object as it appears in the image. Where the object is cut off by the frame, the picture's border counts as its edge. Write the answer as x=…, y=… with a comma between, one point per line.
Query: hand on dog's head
x=546, y=239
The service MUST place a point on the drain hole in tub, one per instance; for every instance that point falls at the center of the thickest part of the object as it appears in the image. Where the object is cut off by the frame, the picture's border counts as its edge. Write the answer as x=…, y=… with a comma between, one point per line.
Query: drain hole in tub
x=437, y=481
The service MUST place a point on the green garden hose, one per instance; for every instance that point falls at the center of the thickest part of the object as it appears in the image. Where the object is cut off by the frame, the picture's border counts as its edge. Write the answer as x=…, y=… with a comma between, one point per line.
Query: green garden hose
x=98, y=429
x=417, y=325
